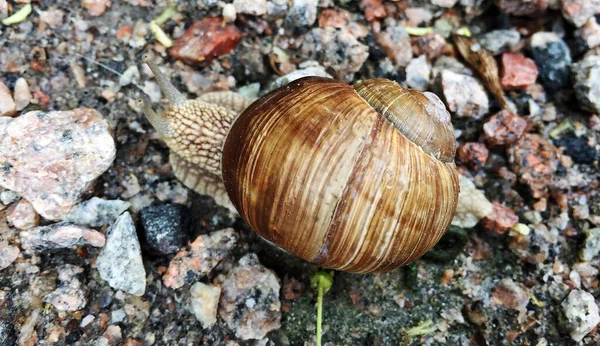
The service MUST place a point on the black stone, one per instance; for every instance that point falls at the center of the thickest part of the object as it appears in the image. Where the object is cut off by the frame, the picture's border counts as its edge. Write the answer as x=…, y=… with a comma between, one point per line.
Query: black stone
x=578, y=149
x=166, y=227
x=8, y=336
x=553, y=61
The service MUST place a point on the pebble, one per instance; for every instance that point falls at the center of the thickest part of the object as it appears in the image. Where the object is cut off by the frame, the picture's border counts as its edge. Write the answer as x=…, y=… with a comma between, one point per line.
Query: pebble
x=8, y=196
x=500, y=41
x=22, y=94
x=432, y=45
x=308, y=68
x=578, y=148
x=205, y=40
x=373, y=9
x=60, y=235
x=166, y=227
x=95, y=7
x=509, y=294
x=277, y=8
x=501, y=220
x=8, y=334
x=300, y=15
x=553, y=58
x=8, y=254
x=473, y=154
x=465, y=96
x=8, y=107
x=444, y=3
x=96, y=212
x=70, y=294
x=504, y=128
x=336, y=48
x=53, y=17
x=518, y=72
x=52, y=158
x=534, y=160
x=250, y=301
x=22, y=215
x=590, y=33
x=579, y=11
x=138, y=36
x=591, y=245
x=449, y=63
x=580, y=314
x=200, y=257
x=522, y=8
x=418, y=73
x=204, y=301
x=534, y=246
x=251, y=7
x=586, y=74
x=395, y=42
x=113, y=334
x=472, y=205
x=120, y=261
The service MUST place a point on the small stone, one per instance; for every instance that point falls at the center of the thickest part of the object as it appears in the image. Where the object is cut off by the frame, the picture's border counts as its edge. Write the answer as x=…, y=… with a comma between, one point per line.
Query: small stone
x=373, y=9
x=53, y=17
x=522, y=8
x=22, y=215
x=472, y=205
x=534, y=160
x=60, y=235
x=518, y=72
x=418, y=16
x=532, y=247
x=250, y=301
x=341, y=19
x=51, y=159
x=201, y=258
x=309, y=68
x=205, y=40
x=395, y=42
x=96, y=212
x=204, y=303
x=504, y=128
x=580, y=314
x=336, y=48
x=8, y=334
x=578, y=149
x=166, y=227
x=8, y=108
x=586, y=74
x=553, y=58
x=113, y=334
x=120, y=261
x=510, y=295
x=473, y=154
x=95, y=7
x=229, y=13
x=590, y=33
x=22, y=94
x=500, y=41
x=579, y=11
x=8, y=254
x=501, y=220
x=251, y=7
x=432, y=45
x=86, y=321
x=465, y=96
x=449, y=63
x=418, y=73
x=444, y=3
x=300, y=16
x=138, y=37
x=70, y=294
x=591, y=245
x=277, y=8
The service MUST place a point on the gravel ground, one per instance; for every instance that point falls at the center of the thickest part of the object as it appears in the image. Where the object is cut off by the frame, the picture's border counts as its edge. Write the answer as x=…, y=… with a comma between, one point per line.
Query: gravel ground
x=100, y=244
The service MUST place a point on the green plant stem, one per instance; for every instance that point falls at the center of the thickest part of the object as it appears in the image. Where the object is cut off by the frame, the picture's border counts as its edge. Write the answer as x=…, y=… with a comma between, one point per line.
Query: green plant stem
x=319, y=313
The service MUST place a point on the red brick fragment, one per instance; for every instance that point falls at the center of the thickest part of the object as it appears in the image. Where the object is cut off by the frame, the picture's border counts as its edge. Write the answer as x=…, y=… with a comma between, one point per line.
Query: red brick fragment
x=124, y=32
x=534, y=160
x=373, y=9
x=473, y=154
x=205, y=40
x=501, y=220
x=503, y=128
x=518, y=72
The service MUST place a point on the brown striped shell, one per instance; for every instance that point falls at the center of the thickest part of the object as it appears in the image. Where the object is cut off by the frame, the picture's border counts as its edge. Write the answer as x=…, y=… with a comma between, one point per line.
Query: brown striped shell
x=356, y=178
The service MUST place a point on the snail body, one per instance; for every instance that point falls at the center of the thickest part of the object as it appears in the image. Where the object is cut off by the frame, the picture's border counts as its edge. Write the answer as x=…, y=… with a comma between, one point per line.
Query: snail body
x=356, y=178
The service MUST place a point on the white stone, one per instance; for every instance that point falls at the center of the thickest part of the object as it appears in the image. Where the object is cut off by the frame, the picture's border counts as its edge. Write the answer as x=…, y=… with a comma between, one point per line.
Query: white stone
x=252, y=7
x=22, y=94
x=465, y=96
x=7, y=104
x=204, y=303
x=97, y=212
x=581, y=313
x=472, y=204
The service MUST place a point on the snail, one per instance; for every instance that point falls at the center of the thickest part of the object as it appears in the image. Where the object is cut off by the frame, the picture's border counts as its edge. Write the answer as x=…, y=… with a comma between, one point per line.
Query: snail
x=355, y=178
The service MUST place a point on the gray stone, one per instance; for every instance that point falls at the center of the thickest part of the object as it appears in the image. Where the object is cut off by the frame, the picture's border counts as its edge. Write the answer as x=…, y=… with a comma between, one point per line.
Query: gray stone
x=70, y=295
x=553, y=58
x=580, y=314
x=465, y=96
x=586, y=75
x=252, y=7
x=8, y=254
x=52, y=158
x=499, y=41
x=120, y=261
x=8, y=335
x=60, y=235
x=591, y=245
x=418, y=73
x=97, y=212
x=250, y=301
x=301, y=15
